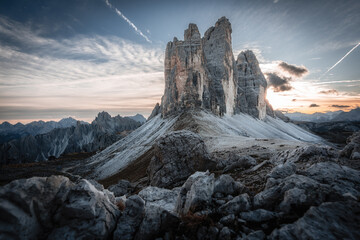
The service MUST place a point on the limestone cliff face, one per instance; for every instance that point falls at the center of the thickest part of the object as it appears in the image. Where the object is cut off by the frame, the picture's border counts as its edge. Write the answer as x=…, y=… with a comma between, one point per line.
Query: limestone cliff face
x=184, y=73
x=219, y=62
x=251, y=86
x=202, y=73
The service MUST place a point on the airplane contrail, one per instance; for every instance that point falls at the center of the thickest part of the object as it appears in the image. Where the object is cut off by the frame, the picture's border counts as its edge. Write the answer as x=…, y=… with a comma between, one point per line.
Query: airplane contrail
x=340, y=59
x=128, y=21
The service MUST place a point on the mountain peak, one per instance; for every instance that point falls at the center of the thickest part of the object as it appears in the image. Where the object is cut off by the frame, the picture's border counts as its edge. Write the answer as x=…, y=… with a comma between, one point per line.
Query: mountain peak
x=202, y=73
x=192, y=33
x=103, y=115
x=223, y=21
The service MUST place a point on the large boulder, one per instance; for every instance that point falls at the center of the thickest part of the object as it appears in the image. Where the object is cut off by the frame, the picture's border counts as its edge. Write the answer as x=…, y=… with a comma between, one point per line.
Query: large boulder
x=313, y=191
x=54, y=207
x=85, y=213
x=352, y=149
x=156, y=222
x=237, y=205
x=196, y=193
x=320, y=182
x=226, y=185
x=282, y=170
x=177, y=155
x=147, y=215
x=160, y=197
x=331, y=220
x=131, y=218
x=123, y=187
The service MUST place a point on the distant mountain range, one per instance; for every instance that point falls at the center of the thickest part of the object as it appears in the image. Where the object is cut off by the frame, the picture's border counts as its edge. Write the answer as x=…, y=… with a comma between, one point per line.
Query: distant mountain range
x=37, y=141
x=9, y=131
x=337, y=116
x=139, y=118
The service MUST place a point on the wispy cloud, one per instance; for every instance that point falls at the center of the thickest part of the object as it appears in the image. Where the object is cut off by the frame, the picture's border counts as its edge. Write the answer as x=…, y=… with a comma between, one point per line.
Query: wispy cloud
x=128, y=21
x=340, y=106
x=330, y=91
x=99, y=73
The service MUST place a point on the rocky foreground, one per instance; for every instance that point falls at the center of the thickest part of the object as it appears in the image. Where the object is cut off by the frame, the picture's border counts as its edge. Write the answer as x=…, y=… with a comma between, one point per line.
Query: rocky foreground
x=306, y=193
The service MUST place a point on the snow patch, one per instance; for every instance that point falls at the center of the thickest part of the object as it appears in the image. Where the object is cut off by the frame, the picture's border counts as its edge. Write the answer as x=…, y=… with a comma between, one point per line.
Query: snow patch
x=240, y=131
x=117, y=156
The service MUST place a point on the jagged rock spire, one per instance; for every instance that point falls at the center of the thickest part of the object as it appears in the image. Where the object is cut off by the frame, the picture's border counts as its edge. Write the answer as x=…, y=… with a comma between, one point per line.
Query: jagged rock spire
x=202, y=73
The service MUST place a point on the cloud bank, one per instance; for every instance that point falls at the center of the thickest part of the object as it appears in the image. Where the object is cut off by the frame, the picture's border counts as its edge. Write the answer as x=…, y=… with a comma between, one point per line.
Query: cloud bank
x=281, y=74
x=280, y=84
x=340, y=106
x=293, y=69
x=330, y=91
x=77, y=75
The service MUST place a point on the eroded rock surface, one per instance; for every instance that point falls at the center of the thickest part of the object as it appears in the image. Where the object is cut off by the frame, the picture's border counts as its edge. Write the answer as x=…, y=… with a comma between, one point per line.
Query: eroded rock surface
x=352, y=149
x=331, y=220
x=202, y=73
x=56, y=208
x=176, y=156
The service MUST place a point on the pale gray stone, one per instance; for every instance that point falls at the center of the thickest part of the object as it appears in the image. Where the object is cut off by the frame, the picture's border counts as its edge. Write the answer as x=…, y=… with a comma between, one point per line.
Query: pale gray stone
x=163, y=198
x=202, y=73
x=56, y=208
x=196, y=193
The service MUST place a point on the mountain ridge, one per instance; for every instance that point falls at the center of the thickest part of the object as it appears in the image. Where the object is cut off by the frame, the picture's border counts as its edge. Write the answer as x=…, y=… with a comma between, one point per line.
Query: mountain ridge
x=335, y=116
x=102, y=132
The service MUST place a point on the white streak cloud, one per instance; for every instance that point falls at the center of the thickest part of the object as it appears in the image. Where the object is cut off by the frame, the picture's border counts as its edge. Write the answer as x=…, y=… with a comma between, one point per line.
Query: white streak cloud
x=128, y=21
x=340, y=60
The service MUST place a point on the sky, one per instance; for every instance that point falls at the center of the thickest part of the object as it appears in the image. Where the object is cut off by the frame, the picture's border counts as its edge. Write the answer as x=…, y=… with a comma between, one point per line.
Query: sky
x=61, y=58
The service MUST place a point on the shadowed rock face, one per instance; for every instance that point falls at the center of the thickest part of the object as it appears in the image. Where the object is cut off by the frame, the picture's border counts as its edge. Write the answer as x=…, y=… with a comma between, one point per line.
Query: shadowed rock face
x=102, y=132
x=176, y=156
x=202, y=73
x=251, y=85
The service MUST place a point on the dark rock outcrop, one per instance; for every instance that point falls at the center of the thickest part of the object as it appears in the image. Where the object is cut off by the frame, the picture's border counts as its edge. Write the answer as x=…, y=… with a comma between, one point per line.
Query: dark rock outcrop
x=176, y=156
x=304, y=201
x=56, y=208
x=130, y=219
x=326, y=221
x=202, y=73
x=196, y=193
x=352, y=149
x=123, y=187
x=155, y=111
